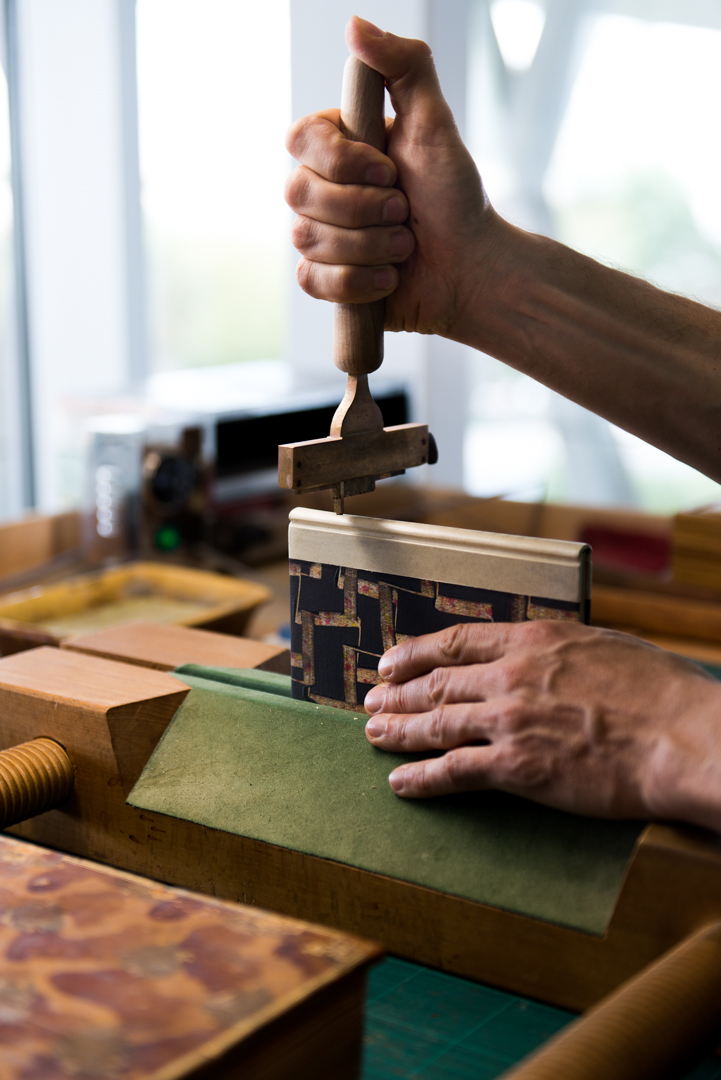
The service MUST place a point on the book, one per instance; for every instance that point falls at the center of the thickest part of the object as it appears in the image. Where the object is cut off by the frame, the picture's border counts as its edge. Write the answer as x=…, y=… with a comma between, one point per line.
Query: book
x=108, y=975
x=361, y=585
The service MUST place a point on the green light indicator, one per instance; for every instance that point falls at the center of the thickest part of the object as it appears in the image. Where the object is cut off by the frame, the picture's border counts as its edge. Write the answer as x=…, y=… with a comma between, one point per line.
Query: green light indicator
x=167, y=538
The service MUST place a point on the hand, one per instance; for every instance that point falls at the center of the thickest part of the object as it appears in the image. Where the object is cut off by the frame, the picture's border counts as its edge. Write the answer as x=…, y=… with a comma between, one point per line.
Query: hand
x=413, y=225
x=583, y=719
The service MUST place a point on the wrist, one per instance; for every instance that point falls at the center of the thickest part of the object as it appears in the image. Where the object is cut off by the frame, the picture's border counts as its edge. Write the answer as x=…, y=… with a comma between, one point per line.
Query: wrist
x=492, y=311
x=683, y=782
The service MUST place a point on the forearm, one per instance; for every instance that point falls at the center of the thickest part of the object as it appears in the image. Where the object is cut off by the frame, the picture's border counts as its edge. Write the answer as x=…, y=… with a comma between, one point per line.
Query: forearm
x=647, y=360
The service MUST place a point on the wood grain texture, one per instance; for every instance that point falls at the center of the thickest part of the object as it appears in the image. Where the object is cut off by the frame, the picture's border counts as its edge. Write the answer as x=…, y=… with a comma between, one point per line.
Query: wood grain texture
x=672, y=888
x=674, y=615
x=357, y=412
x=321, y=463
x=164, y=648
x=358, y=328
x=555, y=569
x=659, y=1024
x=35, y=540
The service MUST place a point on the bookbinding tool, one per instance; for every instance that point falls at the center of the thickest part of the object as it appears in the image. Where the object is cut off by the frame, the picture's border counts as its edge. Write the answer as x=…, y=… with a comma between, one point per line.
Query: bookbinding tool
x=359, y=450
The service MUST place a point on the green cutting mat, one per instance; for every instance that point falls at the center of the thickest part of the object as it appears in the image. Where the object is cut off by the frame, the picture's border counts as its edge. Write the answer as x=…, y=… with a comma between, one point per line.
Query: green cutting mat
x=425, y=1024
x=304, y=776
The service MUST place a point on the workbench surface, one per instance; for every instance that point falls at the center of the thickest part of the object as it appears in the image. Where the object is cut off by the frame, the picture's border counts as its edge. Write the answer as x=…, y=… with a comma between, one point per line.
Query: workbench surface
x=432, y=1026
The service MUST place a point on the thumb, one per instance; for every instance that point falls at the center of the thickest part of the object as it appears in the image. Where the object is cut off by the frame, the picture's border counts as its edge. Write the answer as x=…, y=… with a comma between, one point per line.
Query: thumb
x=408, y=68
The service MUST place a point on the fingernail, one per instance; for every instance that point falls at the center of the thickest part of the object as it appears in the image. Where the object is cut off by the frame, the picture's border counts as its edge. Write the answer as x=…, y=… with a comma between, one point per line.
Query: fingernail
x=370, y=28
x=375, y=728
x=385, y=667
x=379, y=174
x=394, y=210
x=396, y=780
x=374, y=699
x=384, y=279
x=402, y=242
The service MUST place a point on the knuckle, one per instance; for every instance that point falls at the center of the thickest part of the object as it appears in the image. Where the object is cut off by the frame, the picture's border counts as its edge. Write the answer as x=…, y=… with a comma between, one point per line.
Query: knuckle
x=306, y=276
x=345, y=284
x=296, y=188
x=452, y=641
x=293, y=136
x=304, y=234
x=437, y=726
x=397, y=731
x=422, y=779
x=511, y=717
x=437, y=684
x=454, y=767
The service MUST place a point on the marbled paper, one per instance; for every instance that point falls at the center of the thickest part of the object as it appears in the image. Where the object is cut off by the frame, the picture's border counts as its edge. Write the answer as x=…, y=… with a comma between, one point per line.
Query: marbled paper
x=343, y=620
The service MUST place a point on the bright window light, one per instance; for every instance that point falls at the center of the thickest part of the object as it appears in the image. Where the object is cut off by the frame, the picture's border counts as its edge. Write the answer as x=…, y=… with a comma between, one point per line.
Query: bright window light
x=518, y=25
x=214, y=106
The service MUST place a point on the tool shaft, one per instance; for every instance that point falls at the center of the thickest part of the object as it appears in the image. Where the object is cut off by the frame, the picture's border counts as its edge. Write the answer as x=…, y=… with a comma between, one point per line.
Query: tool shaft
x=358, y=328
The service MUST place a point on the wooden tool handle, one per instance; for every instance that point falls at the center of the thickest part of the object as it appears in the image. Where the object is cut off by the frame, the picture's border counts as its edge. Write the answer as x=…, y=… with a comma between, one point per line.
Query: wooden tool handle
x=657, y=1025
x=358, y=328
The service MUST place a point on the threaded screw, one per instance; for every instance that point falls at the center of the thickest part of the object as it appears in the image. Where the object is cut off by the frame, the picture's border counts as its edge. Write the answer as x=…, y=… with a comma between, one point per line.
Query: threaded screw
x=34, y=777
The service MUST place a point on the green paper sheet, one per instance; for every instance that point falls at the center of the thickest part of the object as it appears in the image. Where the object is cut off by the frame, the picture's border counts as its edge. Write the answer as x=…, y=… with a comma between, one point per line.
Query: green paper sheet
x=304, y=776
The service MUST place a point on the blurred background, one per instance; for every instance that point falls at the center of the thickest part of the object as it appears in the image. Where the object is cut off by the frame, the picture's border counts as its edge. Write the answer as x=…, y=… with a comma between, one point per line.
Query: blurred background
x=144, y=255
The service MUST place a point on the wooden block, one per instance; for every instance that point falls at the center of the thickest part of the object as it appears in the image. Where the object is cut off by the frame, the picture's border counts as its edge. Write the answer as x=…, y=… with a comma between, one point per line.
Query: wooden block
x=116, y=976
x=99, y=710
x=165, y=647
x=697, y=548
x=35, y=540
x=320, y=463
x=656, y=612
x=109, y=717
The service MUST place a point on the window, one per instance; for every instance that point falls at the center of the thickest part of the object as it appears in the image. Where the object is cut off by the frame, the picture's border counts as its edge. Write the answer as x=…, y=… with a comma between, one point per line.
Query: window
x=214, y=105
x=624, y=170
x=15, y=484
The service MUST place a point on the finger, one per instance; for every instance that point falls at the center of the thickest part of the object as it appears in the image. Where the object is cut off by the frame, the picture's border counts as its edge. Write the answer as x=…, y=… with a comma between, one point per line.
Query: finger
x=442, y=686
x=348, y=205
x=346, y=284
x=409, y=71
x=317, y=142
x=471, y=768
x=465, y=643
x=443, y=728
x=373, y=246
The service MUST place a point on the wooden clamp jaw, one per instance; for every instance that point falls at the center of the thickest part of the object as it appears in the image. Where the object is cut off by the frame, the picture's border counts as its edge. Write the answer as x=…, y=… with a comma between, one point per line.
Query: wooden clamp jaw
x=359, y=450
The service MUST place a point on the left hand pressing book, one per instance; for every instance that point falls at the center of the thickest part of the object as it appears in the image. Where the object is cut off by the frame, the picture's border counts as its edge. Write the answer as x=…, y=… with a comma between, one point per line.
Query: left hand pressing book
x=361, y=585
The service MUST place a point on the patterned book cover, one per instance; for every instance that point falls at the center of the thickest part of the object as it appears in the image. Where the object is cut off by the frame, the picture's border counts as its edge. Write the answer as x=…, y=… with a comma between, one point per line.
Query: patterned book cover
x=343, y=620
x=103, y=974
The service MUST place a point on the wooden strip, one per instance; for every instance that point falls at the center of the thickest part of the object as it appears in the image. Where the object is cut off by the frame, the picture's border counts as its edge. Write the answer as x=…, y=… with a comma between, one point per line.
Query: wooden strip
x=555, y=569
x=650, y=611
x=164, y=648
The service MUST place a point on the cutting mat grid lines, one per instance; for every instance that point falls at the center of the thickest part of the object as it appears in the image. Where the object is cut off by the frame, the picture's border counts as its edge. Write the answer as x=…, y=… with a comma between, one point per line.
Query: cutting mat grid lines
x=428, y=1025
x=344, y=619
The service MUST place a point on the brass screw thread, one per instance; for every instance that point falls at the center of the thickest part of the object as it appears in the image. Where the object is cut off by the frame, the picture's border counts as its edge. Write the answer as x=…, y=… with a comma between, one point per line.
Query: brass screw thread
x=34, y=777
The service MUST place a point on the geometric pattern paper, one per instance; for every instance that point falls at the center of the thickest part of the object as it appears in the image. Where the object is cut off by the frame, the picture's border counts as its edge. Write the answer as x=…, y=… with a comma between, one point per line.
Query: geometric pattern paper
x=343, y=620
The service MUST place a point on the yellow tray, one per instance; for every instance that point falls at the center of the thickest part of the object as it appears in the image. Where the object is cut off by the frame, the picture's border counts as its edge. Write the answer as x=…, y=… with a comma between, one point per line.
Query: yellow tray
x=134, y=592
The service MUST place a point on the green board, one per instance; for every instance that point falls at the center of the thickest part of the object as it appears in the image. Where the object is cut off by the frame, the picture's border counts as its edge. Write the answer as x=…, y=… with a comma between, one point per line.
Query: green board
x=433, y=1026
x=303, y=776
